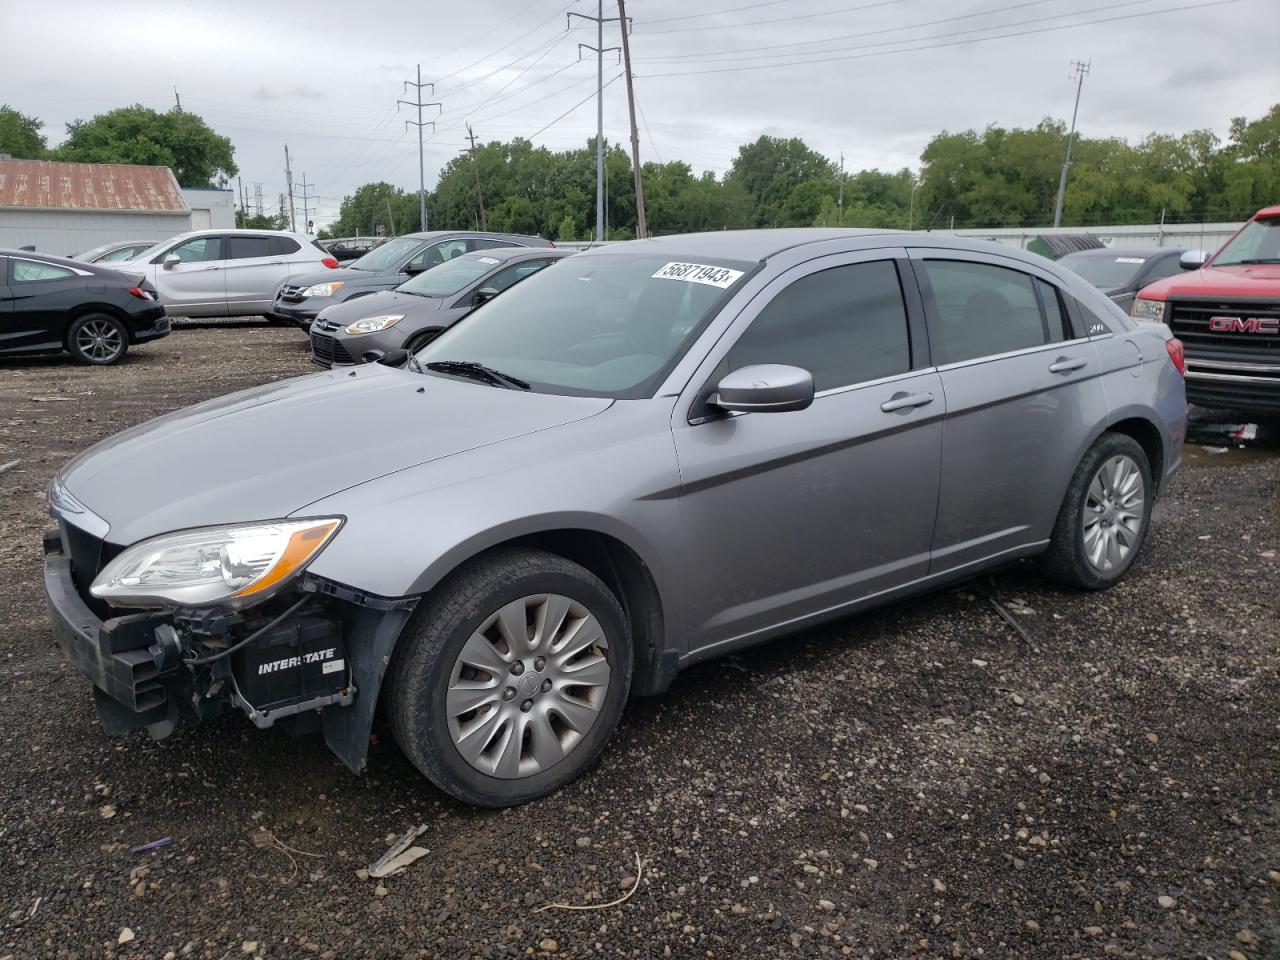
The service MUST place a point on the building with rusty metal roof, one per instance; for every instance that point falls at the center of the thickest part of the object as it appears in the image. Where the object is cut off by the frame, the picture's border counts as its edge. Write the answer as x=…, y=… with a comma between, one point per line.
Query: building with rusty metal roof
x=63, y=208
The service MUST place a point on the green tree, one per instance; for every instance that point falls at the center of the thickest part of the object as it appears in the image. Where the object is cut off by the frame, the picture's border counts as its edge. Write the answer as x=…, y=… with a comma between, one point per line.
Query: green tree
x=176, y=139
x=20, y=135
x=770, y=169
x=568, y=232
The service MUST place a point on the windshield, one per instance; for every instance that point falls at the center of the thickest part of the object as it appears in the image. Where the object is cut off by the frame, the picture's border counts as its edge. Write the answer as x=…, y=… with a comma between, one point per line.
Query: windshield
x=88, y=255
x=1104, y=272
x=388, y=256
x=1257, y=242
x=609, y=325
x=156, y=248
x=449, y=277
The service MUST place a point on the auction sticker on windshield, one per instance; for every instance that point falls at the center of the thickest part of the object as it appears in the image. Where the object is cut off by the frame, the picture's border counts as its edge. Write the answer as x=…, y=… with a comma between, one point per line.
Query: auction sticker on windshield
x=721, y=277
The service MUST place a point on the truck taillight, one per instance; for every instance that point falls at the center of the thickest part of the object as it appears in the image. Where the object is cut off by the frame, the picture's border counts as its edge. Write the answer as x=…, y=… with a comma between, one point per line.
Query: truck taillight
x=330, y=262
x=1177, y=355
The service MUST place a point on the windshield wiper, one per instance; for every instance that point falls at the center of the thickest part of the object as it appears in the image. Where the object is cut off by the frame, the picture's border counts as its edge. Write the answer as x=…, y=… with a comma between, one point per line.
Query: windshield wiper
x=1255, y=260
x=470, y=368
x=413, y=361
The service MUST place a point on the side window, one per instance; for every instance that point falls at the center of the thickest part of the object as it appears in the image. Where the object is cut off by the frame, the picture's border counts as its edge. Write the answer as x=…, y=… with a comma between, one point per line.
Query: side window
x=844, y=325
x=438, y=253
x=1165, y=267
x=247, y=248
x=283, y=246
x=1056, y=325
x=28, y=271
x=487, y=244
x=983, y=310
x=513, y=275
x=196, y=249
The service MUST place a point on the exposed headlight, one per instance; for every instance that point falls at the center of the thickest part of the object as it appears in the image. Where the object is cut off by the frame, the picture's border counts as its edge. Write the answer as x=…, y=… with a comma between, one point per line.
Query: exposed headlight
x=322, y=289
x=374, y=324
x=233, y=565
x=1152, y=310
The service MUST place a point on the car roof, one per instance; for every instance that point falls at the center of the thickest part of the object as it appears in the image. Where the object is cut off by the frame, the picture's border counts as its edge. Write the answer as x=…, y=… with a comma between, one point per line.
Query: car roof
x=438, y=234
x=742, y=244
x=504, y=254
x=1146, y=253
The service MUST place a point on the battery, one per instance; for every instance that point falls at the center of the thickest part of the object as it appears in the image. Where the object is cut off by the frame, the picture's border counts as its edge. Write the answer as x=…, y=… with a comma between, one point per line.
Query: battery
x=300, y=660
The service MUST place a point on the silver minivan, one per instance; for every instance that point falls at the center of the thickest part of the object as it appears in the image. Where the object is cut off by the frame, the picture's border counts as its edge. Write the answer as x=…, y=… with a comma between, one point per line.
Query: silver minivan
x=227, y=273
x=651, y=454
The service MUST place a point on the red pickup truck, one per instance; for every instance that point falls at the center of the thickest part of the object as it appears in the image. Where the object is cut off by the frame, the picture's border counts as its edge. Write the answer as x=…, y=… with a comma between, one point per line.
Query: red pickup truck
x=1226, y=311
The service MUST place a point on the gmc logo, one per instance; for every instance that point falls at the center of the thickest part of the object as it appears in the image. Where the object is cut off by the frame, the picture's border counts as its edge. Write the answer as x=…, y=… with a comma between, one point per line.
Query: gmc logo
x=1264, y=325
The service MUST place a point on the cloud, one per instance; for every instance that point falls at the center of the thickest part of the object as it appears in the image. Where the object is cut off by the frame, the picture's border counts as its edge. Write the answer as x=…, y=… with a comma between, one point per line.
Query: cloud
x=294, y=93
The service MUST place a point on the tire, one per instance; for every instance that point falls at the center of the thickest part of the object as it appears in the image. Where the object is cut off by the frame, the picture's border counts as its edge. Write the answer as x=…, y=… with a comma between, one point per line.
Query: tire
x=1094, y=555
x=97, y=339
x=421, y=339
x=433, y=685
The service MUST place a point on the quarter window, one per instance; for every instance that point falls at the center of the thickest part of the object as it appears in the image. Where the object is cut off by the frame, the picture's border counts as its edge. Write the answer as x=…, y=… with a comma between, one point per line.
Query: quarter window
x=983, y=310
x=844, y=325
x=29, y=271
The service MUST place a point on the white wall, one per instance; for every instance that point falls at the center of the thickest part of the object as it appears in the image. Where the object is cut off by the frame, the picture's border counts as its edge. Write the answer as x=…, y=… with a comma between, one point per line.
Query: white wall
x=1195, y=236
x=66, y=232
x=211, y=209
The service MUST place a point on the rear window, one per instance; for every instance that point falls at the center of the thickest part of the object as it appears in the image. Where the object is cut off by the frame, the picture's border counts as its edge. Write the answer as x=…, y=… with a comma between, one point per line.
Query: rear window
x=248, y=248
x=1104, y=272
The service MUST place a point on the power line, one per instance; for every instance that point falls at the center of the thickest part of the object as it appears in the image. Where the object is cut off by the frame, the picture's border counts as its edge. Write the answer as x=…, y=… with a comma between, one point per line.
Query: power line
x=607, y=85
x=790, y=19
x=949, y=43
x=716, y=13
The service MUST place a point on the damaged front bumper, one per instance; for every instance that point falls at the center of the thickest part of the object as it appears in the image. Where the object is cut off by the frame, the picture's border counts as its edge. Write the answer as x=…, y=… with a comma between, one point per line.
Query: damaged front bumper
x=153, y=668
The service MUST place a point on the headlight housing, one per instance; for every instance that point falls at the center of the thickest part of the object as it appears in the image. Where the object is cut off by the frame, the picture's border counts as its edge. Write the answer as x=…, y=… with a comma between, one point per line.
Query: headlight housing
x=1152, y=310
x=326, y=289
x=374, y=324
x=236, y=565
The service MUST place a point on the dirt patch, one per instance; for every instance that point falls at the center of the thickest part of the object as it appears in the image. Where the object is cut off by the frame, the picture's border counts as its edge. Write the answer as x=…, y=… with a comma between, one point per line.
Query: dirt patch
x=912, y=782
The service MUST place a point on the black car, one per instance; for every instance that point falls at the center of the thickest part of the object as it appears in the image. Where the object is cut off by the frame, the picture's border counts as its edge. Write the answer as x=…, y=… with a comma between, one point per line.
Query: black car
x=49, y=304
x=389, y=265
x=1120, y=274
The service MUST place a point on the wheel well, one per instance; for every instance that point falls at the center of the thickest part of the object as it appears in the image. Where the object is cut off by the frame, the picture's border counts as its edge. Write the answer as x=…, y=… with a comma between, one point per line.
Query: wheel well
x=1147, y=437
x=87, y=308
x=628, y=577
x=421, y=338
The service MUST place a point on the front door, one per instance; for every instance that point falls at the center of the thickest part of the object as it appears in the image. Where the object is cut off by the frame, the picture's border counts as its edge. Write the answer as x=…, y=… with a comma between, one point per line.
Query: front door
x=788, y=516
x=196, y=285
x=1023, y=397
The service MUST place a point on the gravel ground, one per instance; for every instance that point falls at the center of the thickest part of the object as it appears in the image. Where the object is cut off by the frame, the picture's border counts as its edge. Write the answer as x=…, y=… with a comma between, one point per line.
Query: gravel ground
x=915, y=782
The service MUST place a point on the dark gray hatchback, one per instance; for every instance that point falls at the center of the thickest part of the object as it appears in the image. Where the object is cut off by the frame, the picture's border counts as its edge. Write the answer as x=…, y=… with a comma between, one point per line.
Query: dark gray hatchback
x=302, y=298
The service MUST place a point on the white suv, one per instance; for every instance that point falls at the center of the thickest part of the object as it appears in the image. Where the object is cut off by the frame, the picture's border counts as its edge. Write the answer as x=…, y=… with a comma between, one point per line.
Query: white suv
x=226, y=273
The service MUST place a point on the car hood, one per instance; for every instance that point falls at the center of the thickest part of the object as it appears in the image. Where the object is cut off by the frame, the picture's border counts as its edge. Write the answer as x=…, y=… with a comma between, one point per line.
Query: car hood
x=266, y=453
x=384, y=301
x=348, y=275
x=1246, y=280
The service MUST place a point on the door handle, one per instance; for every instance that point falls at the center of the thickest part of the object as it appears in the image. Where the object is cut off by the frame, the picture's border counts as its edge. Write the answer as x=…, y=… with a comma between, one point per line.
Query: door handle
x=213, y=268
x=906, y=401
x=1066, y=364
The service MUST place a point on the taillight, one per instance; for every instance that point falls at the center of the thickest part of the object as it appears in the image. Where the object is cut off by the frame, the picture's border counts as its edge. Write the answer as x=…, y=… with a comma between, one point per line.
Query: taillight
x=331, y=263
x=142, y=294
x=1177, y=355
x=551, y=243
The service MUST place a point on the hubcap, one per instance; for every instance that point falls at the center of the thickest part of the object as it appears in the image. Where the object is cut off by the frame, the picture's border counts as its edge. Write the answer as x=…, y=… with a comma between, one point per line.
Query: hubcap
x=527, y=686
x=1113, y=511
x=99, y=340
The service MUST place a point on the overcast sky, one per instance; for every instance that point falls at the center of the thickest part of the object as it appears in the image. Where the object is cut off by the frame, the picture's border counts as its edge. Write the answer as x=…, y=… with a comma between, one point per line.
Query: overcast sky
x=874, y=78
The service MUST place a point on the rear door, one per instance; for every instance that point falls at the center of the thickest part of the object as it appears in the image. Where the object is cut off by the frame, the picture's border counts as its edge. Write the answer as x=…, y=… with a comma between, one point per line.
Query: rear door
x=792, y=515
x=254, y=268
x=38, y=299
x=195, y=286
x=1023, y=397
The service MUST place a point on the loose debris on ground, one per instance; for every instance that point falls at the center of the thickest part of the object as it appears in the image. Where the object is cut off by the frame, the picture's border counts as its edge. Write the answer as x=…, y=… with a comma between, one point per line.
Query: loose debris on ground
x=915, y=782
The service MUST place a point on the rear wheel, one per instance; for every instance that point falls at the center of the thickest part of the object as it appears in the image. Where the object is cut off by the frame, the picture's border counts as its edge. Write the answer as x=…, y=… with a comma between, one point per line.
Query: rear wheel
x=97, y=339
x=1104, y=517
x=513, y=679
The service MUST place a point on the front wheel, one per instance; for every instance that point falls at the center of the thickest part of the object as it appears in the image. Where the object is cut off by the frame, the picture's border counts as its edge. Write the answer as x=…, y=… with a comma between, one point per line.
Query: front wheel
x=1104, y=517
x=513, y=679
x=97, y=339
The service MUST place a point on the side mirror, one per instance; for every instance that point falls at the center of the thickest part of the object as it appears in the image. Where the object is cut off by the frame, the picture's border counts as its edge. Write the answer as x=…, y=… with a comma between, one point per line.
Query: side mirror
x=1193, y=259
x=171, y=260
x=764, y=388
x=412, y=269
x=484, y=295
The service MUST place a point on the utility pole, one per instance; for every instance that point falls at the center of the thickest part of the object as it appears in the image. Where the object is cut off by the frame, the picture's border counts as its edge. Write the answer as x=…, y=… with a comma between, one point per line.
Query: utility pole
x=306, y=198
x=177, y=100
x=599, y=20
x=244, y=211
x=419, y=123
x=840, y=194
x=288, y=177
x=911, y=204
x=1081, y=71
x=479, y=195
x=642, y=228
x=257, y=197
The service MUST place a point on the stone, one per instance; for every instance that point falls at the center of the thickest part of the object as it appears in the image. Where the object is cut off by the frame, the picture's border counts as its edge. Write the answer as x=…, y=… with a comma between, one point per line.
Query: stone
x=1166, y=902
x=380, y=891
x=1033, y=926
x=826, y=906
x=548, y=945
x=249, y=947
x=583, y=841
x=1246, y=937
x=939, y=886
x=126, y=936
